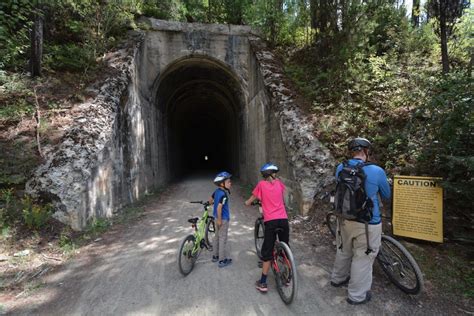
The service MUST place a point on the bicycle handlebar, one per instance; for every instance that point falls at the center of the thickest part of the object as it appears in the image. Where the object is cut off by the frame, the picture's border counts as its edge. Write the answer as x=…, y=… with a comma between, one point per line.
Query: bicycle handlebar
x=201, y=202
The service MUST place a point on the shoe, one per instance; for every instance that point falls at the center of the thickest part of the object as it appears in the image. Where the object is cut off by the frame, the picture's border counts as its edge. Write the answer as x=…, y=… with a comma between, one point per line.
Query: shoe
x=368, y=297
x=345, y=282
x=262, y=287
x=215, y=258
x=224, y=263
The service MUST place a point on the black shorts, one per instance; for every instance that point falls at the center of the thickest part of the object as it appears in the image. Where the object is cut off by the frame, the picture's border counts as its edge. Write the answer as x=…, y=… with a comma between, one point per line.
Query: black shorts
x=270, y=236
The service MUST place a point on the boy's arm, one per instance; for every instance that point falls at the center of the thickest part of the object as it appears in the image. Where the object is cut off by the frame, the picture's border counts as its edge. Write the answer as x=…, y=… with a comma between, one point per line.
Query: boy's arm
x=250, y=200
x=219, y=215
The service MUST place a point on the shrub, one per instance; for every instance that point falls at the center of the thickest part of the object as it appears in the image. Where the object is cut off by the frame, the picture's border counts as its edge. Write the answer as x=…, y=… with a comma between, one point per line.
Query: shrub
x=35, y=216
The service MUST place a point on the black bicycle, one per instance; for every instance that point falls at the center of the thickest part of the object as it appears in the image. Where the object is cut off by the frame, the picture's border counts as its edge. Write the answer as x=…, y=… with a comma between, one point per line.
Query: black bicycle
x=394, y=259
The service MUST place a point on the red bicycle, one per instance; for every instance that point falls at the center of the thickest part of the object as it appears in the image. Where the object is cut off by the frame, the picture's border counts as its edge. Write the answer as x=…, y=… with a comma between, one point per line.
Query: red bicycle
x=283, y=263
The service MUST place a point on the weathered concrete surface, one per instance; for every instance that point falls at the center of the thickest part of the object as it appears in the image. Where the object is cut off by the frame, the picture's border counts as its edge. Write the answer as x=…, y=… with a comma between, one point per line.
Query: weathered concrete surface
x=182, y=91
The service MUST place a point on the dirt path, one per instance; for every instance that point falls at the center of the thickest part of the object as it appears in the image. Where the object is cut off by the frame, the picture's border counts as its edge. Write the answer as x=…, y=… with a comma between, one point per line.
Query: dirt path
x=134, y=271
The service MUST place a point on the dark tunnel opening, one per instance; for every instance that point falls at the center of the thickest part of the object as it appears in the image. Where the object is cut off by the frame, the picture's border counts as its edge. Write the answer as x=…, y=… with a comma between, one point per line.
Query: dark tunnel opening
x=200, y=101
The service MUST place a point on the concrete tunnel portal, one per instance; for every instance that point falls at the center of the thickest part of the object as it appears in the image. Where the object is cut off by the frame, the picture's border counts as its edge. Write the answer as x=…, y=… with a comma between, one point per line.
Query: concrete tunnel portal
x=200, y=100
x=183, y=92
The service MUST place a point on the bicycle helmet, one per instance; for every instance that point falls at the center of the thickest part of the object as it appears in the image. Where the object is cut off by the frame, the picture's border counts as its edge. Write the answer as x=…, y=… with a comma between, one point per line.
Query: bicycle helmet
x=359, y=143
x=268, y=169
x=221, y=177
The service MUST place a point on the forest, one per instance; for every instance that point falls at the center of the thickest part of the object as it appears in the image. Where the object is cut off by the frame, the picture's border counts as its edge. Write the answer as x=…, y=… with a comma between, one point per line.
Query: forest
x=397, y=73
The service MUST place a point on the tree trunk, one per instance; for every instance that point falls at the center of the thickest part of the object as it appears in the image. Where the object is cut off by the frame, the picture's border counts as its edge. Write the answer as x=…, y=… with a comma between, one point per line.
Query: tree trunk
x=36, y=44
x=469, y=67
x=444, y=38
x=314, y=10
x=415, y=13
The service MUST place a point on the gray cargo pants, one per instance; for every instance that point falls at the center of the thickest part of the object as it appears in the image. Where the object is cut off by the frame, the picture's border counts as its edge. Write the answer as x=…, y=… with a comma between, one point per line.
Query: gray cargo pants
x=352, y=260
x=220, y=243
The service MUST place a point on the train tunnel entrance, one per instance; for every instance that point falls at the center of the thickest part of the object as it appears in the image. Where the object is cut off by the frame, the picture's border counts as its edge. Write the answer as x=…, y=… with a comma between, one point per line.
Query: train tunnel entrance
x=200, y=101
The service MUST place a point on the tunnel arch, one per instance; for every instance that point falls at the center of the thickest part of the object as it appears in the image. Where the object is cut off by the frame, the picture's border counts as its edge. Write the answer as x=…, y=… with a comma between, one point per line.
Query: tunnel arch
x=199, y=100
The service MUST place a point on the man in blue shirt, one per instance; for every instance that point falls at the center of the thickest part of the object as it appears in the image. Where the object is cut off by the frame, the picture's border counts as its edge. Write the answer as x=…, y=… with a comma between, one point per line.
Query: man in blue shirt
x=353, y=265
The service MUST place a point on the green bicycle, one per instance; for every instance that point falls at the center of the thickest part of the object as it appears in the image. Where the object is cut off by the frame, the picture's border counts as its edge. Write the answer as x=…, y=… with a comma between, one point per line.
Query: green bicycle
x=191, y=246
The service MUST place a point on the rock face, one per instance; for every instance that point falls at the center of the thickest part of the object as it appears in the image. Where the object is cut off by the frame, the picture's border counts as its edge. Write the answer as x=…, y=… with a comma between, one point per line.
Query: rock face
x=176, y=86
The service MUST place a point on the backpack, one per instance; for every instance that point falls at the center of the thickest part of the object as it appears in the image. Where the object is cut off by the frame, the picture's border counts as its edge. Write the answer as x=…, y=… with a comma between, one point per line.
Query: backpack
x=351, y=202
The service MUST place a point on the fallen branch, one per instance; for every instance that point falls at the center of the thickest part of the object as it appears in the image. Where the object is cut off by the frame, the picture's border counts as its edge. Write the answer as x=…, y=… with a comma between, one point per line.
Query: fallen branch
x=51, y=258
x=38, y=123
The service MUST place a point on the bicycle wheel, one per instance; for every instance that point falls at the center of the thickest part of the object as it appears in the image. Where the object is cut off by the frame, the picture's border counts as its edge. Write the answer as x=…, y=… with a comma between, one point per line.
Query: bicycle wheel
x=259, y=233
x=331, y=222
x=210, y=233
x=185, y=258
x=285, y=273
x=400, y=266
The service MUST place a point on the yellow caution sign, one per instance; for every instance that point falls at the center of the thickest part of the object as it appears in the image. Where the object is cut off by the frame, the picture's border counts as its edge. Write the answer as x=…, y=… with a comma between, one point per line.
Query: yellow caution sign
x=418, y=208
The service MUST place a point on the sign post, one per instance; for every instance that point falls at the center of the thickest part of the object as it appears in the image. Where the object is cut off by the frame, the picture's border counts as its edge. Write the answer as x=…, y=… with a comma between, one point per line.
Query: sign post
x=418, y=208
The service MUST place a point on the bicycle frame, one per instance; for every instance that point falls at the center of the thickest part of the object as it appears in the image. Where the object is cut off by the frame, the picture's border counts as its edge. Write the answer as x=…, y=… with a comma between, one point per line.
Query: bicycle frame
x=200, y=230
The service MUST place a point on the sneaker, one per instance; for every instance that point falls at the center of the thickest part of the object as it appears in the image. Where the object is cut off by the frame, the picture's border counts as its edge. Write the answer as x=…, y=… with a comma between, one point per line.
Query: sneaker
x=215, y=258
x=262, y=287
x=225, y=263
x=368, y=296
x=343, y=283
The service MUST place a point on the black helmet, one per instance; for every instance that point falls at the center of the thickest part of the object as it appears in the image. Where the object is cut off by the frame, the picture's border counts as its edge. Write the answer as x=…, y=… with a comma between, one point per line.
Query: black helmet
x=357, y=144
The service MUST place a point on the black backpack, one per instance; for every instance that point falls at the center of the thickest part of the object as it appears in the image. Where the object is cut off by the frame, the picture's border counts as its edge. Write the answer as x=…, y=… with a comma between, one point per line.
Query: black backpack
x=351, y=201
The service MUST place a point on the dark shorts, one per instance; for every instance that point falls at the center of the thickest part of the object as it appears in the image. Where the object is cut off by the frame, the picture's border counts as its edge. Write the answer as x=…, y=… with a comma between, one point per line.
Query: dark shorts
x=270, y=236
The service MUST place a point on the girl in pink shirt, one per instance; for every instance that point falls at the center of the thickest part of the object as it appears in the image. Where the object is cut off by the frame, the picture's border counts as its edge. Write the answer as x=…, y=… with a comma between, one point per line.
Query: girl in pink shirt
x=270, y=192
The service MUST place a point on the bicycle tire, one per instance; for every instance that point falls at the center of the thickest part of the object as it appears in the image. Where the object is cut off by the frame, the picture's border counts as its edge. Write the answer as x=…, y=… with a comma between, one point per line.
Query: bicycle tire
x=400, y=266
x=331, y=222
x=287, y=277
x=185, y=258
x=259, y=234
x=210, y=233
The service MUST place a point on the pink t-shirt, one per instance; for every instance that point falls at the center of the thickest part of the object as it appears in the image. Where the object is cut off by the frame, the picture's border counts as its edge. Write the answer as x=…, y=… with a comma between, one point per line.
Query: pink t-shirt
x=271, y=195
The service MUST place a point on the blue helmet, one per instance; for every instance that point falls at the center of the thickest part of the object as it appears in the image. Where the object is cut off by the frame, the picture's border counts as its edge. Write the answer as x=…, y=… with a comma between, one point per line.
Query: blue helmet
x=221, y=177
x=268, y=169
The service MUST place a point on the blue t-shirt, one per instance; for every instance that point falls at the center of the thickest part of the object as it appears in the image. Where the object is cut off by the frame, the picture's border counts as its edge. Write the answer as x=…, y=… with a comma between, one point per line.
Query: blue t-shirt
x=375, y=182
x=221, y=197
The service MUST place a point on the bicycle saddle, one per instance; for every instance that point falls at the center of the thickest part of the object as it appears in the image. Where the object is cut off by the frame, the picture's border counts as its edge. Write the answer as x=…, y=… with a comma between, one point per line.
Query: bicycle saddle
x=193, y=220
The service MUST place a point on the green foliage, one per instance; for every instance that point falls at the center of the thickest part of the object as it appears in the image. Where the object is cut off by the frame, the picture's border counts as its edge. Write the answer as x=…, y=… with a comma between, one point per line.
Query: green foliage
x=97, y=226
x=14, y=98
x=14, y=32
x=448, y=152
x=69, y=56
x=10, y=209
x=35, y=216
x=16, y=111
x=461, y=47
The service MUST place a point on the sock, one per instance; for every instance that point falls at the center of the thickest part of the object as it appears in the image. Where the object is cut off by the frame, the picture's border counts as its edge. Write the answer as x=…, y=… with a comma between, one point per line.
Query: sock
x=263, y=279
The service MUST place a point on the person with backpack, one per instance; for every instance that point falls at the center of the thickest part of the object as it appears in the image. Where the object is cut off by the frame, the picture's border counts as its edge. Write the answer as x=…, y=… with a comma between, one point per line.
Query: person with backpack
x=359, y=228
